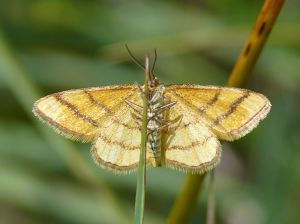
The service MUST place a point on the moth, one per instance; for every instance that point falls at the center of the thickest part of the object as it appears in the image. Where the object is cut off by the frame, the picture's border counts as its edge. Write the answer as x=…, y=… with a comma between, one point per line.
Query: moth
x=185, y=123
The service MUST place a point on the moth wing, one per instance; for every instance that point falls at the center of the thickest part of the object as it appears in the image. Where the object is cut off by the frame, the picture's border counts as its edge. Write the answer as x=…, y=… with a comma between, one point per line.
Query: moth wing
x=230, y=113
x=79, y=114
x=117, y=147
x=188, y=144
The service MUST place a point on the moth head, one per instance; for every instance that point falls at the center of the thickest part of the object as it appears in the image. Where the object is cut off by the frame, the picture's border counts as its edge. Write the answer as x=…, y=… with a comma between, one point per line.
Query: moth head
x=153, y=81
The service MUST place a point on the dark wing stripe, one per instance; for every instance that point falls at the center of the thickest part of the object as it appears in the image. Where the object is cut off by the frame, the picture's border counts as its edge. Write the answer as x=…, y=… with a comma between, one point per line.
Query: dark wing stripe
x=117, y=121
x=231, y=109
x=202, y=167
x=97, y=103
x=75, y=110
x=251, y=119
x=191, y=145
x=203, y=113
x=110, y=165
x=58, y=127
x=211, y=102
x=111, y=112
x=121, y=144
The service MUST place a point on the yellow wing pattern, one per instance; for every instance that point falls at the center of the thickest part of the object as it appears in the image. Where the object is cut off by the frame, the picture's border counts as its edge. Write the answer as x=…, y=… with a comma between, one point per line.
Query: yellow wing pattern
x=203, y=114
x=78, y=114
x=117, y=147
x=188, y=144
x=100, y=115
x=229, y=113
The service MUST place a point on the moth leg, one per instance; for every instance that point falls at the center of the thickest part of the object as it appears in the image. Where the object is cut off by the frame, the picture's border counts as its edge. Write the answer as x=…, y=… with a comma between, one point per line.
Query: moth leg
x=177, y=120
x=167, y=106
x=134, y=106
x=164, y=124
x=172, y=130
x=161, y=109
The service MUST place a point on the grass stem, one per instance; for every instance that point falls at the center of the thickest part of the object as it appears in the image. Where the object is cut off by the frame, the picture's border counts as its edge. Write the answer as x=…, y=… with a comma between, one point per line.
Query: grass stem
x=141, y=175
x=255, y=43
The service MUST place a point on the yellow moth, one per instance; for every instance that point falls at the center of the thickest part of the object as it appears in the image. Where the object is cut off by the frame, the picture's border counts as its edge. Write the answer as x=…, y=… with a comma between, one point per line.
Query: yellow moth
x=185, y=122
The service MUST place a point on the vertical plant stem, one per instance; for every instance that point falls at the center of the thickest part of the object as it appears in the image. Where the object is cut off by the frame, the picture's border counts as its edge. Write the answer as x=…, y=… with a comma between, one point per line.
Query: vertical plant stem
x=186, y=200
x=141, y=175
x=239, y=77
x=210, y=219
x=255, y=43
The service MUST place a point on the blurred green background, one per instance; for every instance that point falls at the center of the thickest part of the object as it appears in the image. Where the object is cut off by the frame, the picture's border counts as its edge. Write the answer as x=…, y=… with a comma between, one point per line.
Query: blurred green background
x=52, y=45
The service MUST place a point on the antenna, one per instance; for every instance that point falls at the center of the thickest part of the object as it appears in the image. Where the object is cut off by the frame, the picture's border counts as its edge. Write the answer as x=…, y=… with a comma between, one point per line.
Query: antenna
x=154, y=62
x=136, y=61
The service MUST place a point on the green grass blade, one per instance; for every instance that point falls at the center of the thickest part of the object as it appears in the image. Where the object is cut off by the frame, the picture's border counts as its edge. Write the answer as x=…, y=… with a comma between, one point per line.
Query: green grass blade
x=141, y=175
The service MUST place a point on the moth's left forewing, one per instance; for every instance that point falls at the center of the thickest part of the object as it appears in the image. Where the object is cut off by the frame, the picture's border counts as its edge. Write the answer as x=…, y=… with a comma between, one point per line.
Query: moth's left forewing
x=244, y=114
x=229, y=112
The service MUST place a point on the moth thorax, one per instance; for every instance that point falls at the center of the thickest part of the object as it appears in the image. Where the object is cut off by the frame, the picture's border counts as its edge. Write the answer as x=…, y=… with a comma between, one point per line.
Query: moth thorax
x=155, y=119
